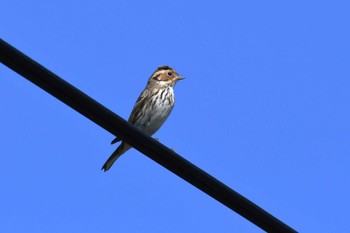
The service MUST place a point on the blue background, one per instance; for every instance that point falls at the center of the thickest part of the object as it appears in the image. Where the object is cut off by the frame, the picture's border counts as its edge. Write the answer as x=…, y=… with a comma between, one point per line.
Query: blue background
x=264, y=108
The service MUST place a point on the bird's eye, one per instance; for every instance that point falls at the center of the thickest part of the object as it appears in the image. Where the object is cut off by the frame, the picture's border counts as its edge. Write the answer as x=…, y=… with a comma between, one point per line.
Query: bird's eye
x=170, y=73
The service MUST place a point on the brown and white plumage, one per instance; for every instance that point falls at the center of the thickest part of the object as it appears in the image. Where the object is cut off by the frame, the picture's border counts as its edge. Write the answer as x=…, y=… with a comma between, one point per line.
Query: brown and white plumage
x=152, y=108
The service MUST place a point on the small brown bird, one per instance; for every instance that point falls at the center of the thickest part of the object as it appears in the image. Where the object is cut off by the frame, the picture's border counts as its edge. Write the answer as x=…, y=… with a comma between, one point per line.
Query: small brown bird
x=152, y=108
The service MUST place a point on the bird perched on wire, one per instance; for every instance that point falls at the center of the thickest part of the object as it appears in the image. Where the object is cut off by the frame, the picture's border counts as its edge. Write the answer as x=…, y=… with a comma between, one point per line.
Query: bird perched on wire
x=151, y=109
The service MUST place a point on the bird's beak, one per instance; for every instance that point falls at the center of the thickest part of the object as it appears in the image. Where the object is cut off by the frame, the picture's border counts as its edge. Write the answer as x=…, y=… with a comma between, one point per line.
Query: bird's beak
x=179, y=77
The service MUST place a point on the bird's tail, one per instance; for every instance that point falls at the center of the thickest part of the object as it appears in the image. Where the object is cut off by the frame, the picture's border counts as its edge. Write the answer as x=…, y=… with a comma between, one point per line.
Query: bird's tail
x=115, y=155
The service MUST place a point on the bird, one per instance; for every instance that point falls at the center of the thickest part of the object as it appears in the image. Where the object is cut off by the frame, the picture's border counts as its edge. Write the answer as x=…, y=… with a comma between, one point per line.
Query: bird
x=151, y=109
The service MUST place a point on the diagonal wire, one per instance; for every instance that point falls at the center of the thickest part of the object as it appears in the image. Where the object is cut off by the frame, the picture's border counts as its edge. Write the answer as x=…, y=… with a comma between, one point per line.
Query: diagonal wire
x=76, y=99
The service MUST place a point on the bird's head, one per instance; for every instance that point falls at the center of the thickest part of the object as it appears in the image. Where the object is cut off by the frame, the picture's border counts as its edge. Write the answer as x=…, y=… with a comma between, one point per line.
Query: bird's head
x=164, y=76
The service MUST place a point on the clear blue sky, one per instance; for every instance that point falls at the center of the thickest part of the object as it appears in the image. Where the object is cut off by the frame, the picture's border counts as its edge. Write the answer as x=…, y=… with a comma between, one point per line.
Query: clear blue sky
x=264, y=108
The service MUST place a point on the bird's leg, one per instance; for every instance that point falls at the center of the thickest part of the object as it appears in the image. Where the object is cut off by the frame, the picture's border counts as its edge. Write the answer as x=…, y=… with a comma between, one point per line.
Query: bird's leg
x=157, y=139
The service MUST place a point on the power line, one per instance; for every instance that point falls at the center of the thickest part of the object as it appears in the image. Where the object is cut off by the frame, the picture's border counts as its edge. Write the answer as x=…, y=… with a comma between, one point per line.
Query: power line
x=116, y=125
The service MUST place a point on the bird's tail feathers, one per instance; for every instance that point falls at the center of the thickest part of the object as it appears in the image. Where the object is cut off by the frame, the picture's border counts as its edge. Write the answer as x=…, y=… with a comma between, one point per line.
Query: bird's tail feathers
x=115, y=155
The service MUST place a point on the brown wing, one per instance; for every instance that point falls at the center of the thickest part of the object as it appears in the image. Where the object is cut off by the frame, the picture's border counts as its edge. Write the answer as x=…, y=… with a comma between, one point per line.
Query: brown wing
x=135, y=112
x=141, y=101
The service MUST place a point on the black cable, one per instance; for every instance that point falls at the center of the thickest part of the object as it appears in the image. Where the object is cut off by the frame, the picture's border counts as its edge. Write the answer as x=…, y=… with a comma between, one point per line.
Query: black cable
x=114, y=124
